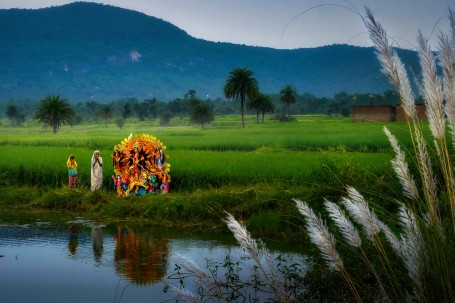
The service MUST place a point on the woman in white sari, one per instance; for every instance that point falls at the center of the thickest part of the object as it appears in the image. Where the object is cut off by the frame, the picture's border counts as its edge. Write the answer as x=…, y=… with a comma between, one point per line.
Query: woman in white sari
x=96, y=171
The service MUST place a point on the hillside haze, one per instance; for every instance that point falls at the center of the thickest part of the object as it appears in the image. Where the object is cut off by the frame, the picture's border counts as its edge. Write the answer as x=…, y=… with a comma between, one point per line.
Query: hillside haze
x=86, y=51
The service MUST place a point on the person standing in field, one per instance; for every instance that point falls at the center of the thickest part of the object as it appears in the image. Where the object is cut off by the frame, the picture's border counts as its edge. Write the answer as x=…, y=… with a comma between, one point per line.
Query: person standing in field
x=96, y=171
x=72, y=171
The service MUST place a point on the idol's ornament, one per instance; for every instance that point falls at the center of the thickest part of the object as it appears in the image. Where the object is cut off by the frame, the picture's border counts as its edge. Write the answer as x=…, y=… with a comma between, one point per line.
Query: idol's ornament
x=140, y=166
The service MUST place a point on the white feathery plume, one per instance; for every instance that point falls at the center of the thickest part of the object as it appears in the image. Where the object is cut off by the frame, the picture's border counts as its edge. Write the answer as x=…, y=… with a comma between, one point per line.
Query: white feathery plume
x=320, y=236
x=245, y=240
x=432, y=89
x=412, y=243
x=183, y=294
x=243, y=237
x=391, y=64
x=405, y=90
x=393, y=241
x=195, y=270
x=426, y=173
x=446, y=57
x=359, y=210
x=400, y=166
x=348, y=230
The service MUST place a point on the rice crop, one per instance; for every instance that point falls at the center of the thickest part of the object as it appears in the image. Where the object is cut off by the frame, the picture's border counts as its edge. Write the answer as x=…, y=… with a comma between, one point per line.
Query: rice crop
x=305, y=134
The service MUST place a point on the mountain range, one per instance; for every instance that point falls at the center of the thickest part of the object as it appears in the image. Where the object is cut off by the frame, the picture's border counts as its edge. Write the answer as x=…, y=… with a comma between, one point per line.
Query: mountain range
x=86, y=51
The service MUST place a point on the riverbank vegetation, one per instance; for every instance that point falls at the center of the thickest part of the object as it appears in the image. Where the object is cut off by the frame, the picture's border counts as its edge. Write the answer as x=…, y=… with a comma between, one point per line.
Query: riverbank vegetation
x=253, y=172
x=397, y=255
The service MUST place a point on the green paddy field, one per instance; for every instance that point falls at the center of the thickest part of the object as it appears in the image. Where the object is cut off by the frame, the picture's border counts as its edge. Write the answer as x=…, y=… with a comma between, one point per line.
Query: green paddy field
x=253, y=172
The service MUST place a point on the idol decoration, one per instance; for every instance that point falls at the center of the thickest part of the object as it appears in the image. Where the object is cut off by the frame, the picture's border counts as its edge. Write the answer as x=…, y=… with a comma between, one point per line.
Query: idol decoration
x=140, y=166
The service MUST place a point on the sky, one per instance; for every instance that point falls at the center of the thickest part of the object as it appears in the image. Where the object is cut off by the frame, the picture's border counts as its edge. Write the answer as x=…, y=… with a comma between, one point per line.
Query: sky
x=287, y=24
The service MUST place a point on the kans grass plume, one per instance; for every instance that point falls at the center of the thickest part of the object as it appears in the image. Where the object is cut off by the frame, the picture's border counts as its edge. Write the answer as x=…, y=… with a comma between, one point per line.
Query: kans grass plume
x=426, y=230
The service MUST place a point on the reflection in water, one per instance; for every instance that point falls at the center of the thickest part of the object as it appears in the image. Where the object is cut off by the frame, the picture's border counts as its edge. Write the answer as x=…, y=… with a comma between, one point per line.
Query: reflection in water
x=73, y=241
x=79, y=261
x=97, y=244
x=141, y=258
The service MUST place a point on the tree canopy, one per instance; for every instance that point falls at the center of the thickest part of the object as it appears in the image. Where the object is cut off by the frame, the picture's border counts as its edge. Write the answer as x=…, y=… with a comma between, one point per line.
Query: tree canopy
x=53, y=111
x=241, y=85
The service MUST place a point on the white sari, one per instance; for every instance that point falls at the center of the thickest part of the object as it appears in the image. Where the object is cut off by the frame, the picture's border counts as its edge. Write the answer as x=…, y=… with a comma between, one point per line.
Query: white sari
x=96, y=173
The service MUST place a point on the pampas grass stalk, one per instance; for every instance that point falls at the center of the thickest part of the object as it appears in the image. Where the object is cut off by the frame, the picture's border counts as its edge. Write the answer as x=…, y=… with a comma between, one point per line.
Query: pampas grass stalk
x=438, y=101
x=245, y=240
x=412, y=242
x=350, y=235
x=426, y=229
x=320, y=236
x=183, y=294
x=325, y=241
x=359, y=209
x=348, y=230
x=432, y=89
x=401, y=168
x=391, y=64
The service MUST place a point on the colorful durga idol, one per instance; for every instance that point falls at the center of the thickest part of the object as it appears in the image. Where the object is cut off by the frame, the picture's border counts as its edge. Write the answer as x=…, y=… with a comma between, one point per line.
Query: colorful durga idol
x=140, y=166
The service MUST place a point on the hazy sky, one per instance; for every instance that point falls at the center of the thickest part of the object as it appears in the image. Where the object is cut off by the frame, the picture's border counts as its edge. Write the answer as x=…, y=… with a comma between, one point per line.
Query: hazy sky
x=286, y=23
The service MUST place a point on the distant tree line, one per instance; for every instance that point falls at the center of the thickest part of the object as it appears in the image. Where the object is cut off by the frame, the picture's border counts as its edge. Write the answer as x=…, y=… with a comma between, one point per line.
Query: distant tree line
x=17, y=111
x=240, y=86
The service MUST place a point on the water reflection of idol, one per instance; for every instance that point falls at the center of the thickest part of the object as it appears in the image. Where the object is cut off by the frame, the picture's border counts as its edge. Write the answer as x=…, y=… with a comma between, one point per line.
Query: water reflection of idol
x=97, y=244
x=73, y=241
x=139, y=256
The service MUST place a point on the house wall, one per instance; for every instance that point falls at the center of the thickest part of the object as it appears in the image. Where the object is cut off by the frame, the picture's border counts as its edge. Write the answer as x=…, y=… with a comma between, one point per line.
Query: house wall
x=373, y=113
x=400, y=116
x=386, y=113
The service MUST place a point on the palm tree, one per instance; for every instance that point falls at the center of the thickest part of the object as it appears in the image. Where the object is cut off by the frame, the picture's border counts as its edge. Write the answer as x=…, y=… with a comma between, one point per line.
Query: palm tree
x=261, y=104
x=54, y=111
x=241, y=85
x=267, y=106
x=288, y=96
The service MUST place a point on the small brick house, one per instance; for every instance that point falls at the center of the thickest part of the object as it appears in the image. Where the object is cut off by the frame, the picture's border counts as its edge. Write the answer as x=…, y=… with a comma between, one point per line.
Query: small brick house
x=383, y=113
x=379, y=113
x=421, y=115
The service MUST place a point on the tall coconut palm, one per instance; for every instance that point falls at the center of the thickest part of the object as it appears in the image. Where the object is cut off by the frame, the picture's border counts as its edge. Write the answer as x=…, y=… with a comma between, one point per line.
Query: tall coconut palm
x=241, y=85
x=288, y=96
x=53, y=111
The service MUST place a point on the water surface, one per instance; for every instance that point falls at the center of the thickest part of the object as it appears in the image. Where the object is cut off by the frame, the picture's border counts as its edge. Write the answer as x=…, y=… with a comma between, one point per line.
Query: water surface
x=83, y=261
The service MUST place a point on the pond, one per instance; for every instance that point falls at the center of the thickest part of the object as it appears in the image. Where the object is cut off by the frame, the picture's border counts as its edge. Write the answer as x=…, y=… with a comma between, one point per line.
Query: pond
x=84, y=261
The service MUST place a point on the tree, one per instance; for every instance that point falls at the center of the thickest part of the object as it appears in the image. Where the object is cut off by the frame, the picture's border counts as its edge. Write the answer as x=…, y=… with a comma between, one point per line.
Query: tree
x=106, y=112
x=91, y=110
x=12, y=112
x=201, y=112
x=165, y=118
x=120, y=122
x=53, y=111
x=126, y=110
x=261, y=104
x=178, y=107
x=241, y=85
x=267, y=106
x=288, y=96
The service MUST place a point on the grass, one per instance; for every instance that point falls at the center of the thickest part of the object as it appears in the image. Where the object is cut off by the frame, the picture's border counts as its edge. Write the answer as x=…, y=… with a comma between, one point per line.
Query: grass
x=252, y=172
x=384, y=246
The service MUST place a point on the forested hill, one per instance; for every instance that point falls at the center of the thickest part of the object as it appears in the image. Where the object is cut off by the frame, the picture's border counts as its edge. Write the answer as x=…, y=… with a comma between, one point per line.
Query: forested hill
x=92, y=51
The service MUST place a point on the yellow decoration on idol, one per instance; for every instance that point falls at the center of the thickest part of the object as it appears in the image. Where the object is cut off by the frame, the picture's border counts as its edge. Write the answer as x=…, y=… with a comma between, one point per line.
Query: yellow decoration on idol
x=140, y=166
